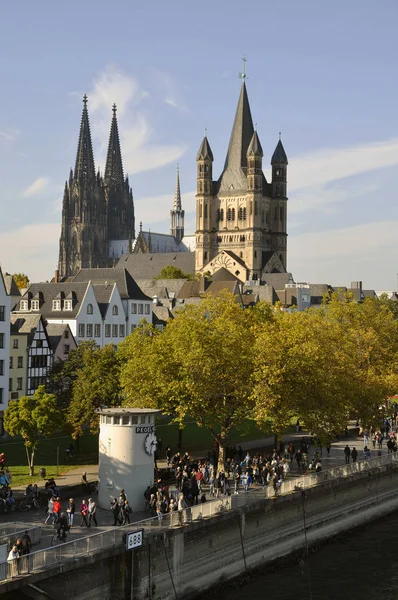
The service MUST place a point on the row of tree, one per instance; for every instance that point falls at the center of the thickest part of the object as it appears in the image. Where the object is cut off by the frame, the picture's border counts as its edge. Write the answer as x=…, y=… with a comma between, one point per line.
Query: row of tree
x=220, y=364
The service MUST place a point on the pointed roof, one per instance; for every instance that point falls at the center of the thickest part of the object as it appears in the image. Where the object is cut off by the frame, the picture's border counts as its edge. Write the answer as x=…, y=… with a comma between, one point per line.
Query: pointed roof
x=204, y=152
x=279, y=155
x=85, y=168
x=242, y=133
x=177, y=193
x=114, y=164
x=255, y=146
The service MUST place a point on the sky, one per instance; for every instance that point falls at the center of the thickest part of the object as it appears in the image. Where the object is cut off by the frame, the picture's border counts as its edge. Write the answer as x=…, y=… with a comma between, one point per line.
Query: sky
x=322, y=73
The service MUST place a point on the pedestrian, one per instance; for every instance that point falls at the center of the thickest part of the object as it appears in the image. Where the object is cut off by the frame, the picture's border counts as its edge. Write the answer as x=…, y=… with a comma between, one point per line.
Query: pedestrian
x=18, y=544
x=115, y=508
x=354, y=455
x=83, y=512
x=12, y=559
x=298, y=426
x=57, y=509
x=26, y=544
x=126, y=512
x=70, y=511
x=92, y=509
x=347, y=453
x=168, y=456
x=328, y=447
x=50, y=511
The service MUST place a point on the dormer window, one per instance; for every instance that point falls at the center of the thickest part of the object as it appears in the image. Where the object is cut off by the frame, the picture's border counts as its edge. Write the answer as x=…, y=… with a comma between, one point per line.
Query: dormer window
x=24, y=305
x=56, y=304
x=89, y=309
x=35, y=305
x=68, y=305
x=115, y=310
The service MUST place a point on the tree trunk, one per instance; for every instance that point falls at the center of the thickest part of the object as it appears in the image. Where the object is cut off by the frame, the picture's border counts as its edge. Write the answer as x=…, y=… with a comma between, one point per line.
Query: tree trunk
x=179, y=443
x=30, y=458
x=222, y=450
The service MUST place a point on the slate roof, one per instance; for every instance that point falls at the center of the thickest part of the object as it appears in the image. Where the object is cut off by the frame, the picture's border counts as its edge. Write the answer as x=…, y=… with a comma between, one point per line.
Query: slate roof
x=50, y=291
x=161, y=242
x=103, y=292
x=279, y=155
x=369, y=294
x=161, y=314
x=162, y=288
x=22, y=323
x=128, y=288
x=277, y=280
x=10, y=285
x=255, y=146
x=55, y=333
x=318, y=290
x=204, y=151
x=148, y=266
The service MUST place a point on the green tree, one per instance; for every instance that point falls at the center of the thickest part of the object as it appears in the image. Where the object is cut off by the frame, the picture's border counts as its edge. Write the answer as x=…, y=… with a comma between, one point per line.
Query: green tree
x=96, y=384
x=171, y=272
x=200, y=367
x=21, y=280
x=32, y=417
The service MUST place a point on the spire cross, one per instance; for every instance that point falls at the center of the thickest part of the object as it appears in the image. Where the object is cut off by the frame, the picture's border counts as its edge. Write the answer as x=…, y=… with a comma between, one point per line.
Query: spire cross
x=243, y=74
x=280, y=136
x=178, y=167
x=114, y=109
x=85, y=100
x=205, y=131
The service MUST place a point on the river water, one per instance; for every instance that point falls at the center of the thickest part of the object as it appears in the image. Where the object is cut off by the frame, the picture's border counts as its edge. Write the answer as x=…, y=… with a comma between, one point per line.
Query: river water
x=361, y=565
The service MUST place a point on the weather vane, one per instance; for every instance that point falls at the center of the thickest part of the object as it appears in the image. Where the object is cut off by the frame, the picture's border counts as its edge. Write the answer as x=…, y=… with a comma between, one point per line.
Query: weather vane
x=243, y=74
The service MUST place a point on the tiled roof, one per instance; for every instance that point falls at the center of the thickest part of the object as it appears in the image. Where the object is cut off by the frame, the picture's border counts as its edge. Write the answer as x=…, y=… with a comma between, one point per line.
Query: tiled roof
x=11, y=287
x=55, y=333
x=50, y=291
x=128, y=288
x=22, y=323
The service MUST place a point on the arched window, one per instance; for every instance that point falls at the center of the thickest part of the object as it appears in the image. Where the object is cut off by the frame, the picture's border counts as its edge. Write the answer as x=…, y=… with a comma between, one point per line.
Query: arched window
x=229, y=214
x=89, y=309
x=206, y=168
x=244, y=214
x=281, y=213
x=255, y=208
x=205, y=211
x=115, y=310
x=240, y=213
x=275, y=213
x=221, y=214
x=233, y=214
x=200, y=210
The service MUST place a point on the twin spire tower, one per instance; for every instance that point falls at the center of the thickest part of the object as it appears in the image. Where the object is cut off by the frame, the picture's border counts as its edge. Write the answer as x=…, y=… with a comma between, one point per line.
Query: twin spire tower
x=98, y=211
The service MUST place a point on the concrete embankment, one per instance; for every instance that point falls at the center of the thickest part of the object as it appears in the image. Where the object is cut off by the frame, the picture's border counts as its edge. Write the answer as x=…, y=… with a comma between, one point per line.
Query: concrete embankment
x=180, y=561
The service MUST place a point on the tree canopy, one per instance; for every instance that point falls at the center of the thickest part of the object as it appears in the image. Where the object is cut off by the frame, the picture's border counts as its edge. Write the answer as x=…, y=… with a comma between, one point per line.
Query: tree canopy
x=172, y=272
x=21, y=280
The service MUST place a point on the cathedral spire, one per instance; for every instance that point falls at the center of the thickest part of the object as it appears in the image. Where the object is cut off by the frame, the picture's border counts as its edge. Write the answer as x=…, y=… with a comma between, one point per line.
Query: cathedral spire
x=84, y=168
x=242, y=133
x=177, y=193
x=114, y=165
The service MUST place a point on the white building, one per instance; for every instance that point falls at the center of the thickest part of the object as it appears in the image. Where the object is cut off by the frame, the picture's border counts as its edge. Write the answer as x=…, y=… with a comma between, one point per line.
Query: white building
x=4, y=347
x=105, y=309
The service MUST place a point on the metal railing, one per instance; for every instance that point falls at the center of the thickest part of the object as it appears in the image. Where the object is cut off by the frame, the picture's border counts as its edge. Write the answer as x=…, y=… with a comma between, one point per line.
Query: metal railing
x=50, y=557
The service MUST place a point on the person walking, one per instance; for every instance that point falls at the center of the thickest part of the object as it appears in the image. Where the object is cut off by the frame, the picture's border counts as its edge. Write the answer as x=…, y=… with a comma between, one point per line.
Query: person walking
x=70, y=511
x=126, y=512
x=26, y=544
x=12, y=559
x=83, y=512
x=50, y=511
x=92, y=509
x=347, y=453
x=115, y=508
x=57, y=509
x=354, y=454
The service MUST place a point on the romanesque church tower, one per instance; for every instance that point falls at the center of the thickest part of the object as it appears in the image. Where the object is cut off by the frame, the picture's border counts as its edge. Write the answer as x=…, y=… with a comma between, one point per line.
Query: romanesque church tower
x=97, y=213
x=83, y=241
x=241, y=218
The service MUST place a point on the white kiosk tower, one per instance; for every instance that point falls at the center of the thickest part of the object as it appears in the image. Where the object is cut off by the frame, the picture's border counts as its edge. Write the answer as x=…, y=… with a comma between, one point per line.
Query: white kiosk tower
x=127, y=444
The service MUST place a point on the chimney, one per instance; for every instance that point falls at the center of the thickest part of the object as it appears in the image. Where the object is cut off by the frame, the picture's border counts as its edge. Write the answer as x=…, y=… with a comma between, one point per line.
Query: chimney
x=56, y=276
x=356, y=285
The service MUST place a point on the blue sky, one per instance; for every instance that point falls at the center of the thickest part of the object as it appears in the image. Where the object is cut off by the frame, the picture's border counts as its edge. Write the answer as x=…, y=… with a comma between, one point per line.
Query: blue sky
x=322, y=73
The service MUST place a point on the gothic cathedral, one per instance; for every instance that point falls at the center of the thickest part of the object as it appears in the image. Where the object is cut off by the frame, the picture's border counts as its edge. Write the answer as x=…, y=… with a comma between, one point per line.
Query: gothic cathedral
x=97, y=212
x=241, y=218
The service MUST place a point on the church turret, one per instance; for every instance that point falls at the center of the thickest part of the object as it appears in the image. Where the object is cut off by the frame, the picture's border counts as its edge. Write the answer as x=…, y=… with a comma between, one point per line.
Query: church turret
x=279, y=164
x=254, y=164
x=204, y=178
x=119, y=197
x=177, y=214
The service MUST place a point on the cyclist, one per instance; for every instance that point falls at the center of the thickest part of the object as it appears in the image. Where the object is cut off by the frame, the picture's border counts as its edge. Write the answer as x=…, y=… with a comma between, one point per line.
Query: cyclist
x=63, y=526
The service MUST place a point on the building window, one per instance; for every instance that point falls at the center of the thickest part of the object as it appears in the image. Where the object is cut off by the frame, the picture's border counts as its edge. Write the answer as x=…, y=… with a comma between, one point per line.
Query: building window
x=81, y=330
x=1, y=395
x=10, y=385
x=39, y=362
x=115, y=310
x=121, y=331
x=233, y=214
x=204, y=255
x=1, y=367
x=255, y=207
x=56, y=304
x=140, y=309
x=19, y=383
x=132, y=328
x=89, y=309
x=66, y=334
x=66, y=349
x=39, y=343
x=281, y=213
x=134, y=308
x=275, y=213
x=89, y=331
x=24, y=305
x=229, y=214
x=34, y=305
x=205, y=211
x=20, y=362
x=15, y=343
x=2, y=313
x=107, y=331
x=11, y=361
x=68, y=305
x=1, y=340
x=97, y=330
x=147, y=309
x=114, y=330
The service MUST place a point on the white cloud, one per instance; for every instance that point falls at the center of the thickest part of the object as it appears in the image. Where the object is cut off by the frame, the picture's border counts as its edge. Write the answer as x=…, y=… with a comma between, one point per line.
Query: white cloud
x=167, y=88
x=327, y=200
x=139, y=151
x=343, y=255
x=32, y=249
x=38, y=186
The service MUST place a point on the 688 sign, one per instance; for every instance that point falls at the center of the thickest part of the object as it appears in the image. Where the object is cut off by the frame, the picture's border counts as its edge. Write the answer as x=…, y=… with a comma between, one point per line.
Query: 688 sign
x=134, y=539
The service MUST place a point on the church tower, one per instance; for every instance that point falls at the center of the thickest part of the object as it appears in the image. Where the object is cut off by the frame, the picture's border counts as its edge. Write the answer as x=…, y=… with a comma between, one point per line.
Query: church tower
x=119, y=198
x=83, y=241
x=177, y=214
x=241, y=218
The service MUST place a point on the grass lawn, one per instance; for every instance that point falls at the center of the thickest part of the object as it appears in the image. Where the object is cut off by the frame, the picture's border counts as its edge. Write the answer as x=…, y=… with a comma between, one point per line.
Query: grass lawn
x=20, y=477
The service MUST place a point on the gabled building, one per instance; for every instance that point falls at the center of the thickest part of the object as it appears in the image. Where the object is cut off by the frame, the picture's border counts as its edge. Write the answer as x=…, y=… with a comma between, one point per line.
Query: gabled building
x=4, y=347
x=61, y=340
